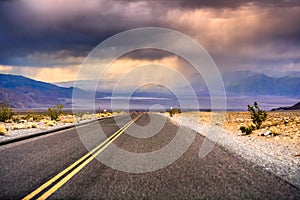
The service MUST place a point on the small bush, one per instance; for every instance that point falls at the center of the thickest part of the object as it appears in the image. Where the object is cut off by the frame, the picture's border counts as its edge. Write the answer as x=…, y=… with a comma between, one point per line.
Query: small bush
x=51, y=123
x=100, y=115
x=86, y=117
x=3, y=130
x=31, y=117
x=257, y=116
x=247, y=129
x=6, y=113
x=274, y=131
x=54, y=112
x=45, y=121
x=19, y=126
x=31, y=125
x=173, y=111
x=67, y=120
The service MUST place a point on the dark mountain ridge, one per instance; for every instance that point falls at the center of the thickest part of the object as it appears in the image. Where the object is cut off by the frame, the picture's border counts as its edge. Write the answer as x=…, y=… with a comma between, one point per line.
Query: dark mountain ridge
x=22, y=92
x=294, y=107
x=23, y=85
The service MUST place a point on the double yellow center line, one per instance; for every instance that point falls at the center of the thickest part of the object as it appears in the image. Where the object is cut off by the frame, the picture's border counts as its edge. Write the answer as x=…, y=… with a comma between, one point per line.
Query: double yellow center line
x=76, y=167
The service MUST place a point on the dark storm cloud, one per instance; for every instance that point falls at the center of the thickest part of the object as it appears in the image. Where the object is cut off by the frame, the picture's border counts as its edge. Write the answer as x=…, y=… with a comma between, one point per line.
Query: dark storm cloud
x=72, y=28
x=150, y=54
x=236, y=3
x=25, y=31
x=217, y=3
x=20, y=35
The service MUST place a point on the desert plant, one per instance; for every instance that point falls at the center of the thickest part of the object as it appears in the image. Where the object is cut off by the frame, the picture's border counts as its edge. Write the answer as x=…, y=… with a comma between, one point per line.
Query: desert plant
x=3, y=130
x=247, y=129
x=55, y=111
x=32, y=116
x=173, y=111
x=6, y=113
x=50, y=123
x=275, y=131
x=67, y=119
x=19, y=126
x=33, y=125
x=257, y=116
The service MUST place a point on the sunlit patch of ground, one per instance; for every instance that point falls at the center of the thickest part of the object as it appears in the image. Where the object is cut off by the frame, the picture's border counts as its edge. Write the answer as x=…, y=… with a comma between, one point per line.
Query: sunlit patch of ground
x=26, y=123
x=286, y=125
x=277, y=153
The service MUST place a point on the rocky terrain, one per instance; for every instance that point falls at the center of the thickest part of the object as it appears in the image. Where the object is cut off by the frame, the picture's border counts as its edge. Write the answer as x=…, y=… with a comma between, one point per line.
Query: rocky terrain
x=275, y=147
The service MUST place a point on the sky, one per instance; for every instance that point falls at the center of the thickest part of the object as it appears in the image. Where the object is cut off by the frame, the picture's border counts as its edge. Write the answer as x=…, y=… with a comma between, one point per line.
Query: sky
x=48, y=40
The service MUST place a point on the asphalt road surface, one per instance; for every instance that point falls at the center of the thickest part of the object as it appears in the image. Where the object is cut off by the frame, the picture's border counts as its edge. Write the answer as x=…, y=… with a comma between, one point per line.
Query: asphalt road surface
x=27, y=165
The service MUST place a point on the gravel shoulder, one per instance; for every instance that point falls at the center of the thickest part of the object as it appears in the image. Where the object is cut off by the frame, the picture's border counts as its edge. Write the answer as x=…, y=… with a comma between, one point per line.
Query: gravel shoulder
x=279, y=154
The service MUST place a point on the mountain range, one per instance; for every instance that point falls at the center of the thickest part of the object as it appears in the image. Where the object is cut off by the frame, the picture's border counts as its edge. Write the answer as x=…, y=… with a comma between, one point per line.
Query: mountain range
x=22, y=92
x=246, y=83
x=294, y=107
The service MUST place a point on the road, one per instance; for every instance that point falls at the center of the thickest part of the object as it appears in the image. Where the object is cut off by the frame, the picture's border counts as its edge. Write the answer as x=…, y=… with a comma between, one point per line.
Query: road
x=26, y=165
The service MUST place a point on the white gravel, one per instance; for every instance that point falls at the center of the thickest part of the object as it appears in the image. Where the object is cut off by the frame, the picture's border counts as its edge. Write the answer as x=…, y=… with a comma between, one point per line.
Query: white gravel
x=276, y=158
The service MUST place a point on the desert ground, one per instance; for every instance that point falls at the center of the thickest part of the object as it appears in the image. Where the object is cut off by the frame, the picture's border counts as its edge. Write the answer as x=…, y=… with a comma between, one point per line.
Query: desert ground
x=275, y=146
x=21, y=124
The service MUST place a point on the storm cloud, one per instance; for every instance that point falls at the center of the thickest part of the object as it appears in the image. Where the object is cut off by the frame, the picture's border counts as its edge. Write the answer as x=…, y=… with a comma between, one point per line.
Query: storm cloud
x=256, y=35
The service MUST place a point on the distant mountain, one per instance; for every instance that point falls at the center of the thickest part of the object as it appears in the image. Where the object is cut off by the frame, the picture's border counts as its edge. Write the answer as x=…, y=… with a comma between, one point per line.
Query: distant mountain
x=294, y=107
x=146, y=91
x=22, y=92
x=286, y=73
x=237, y=83
x=19, y=100
x=28, y=86
x=246, y=83
x=236, y=77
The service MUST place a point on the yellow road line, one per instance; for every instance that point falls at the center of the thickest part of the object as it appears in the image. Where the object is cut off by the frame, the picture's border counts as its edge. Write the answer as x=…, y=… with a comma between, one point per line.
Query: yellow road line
x=45, y=185
x=75, y=171
x=48, y=183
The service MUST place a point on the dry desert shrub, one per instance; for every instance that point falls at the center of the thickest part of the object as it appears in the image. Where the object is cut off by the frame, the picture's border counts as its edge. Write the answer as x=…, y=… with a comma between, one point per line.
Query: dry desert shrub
x=66, y=118
x=3, y=130
x=51, y=123
x=274, y=130
x=6, y=113
x=31, y=125
x=69, y=120
x=86, y=117
x=55, y=112
x=19, y=126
